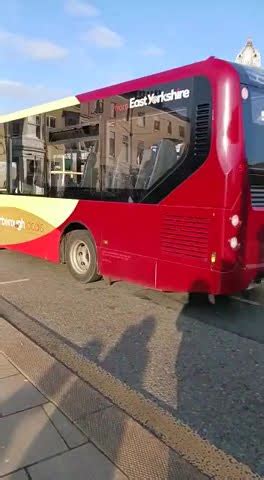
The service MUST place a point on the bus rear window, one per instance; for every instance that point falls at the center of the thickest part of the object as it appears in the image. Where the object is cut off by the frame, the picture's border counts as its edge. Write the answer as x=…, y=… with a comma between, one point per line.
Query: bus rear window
x=253, y=106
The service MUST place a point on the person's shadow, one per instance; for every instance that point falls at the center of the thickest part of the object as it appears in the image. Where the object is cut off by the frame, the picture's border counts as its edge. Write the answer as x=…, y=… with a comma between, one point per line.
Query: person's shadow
x=128, y=358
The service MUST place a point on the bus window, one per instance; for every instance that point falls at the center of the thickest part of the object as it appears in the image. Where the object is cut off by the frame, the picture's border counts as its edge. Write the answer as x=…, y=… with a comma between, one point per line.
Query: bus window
x=73, y=158
x=138, y=154
x=73, y=169
x=26, y=156
x=126, y=147
x=253, y=105
x=3, y=160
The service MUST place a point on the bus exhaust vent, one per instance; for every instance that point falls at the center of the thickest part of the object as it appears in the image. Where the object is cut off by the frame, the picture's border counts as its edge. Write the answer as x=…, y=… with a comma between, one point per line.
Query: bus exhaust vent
x=185, y=237
x=257, y=195
x=202, y=131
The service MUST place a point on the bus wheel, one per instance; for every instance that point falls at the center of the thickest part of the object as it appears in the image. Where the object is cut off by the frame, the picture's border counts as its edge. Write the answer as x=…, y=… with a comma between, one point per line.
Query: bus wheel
x=81, y=256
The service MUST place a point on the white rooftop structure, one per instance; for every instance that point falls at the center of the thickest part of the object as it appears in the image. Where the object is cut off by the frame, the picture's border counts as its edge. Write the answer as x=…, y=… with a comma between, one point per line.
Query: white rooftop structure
x=249, y=55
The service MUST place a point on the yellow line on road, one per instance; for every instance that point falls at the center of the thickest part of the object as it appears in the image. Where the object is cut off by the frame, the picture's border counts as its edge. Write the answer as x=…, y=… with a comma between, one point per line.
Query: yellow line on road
x=14, y=281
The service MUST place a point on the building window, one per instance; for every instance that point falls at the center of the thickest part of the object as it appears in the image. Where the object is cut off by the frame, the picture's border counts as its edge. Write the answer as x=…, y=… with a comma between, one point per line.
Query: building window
x=169, y=128
x=112, y=144
x=125, y=145
x=181, y=131
x=113, y=110
x=16, y=129
x=38, y=126
x=99, y=106
x=70, y=121
x=71, y=118
x=156, y=125
x=140, y=152
x=51, y=122
x=141, y=120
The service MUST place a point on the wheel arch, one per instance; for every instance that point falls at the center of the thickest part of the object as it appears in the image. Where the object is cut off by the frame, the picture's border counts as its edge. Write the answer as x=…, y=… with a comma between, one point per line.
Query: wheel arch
x=73, y=226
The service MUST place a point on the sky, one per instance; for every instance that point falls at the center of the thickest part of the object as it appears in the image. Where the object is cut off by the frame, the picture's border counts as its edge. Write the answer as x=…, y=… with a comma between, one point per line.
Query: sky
x=54, y=48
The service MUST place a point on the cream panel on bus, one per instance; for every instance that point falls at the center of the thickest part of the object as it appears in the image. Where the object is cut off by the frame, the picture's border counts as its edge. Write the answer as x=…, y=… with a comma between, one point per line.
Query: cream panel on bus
x=23, y=219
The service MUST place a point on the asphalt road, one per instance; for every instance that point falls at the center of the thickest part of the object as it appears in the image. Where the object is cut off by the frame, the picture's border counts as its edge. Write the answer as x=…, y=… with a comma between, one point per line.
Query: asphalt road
x=203, y=364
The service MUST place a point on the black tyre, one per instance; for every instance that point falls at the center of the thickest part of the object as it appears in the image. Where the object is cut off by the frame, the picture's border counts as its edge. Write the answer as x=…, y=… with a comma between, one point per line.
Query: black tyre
x=81, y=256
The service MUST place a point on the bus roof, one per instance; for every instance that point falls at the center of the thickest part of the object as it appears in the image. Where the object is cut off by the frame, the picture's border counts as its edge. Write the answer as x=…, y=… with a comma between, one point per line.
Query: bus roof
x=247, y=75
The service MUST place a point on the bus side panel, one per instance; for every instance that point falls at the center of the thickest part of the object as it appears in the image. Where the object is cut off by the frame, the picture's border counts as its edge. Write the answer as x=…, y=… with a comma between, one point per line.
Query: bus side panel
x=128, y=267
x=32, y=224
x=181, y=277
x=130, y=239
x=87, y=214
x=186, y=240
x=46, y=247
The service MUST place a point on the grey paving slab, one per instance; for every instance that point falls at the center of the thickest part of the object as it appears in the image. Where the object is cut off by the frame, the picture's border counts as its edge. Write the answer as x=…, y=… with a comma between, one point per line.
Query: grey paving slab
x=71, y=434
x=20, y=475
x=6, y=367
x=84, y=463
x=25, y=438
x=17, y=393
x=74, y=396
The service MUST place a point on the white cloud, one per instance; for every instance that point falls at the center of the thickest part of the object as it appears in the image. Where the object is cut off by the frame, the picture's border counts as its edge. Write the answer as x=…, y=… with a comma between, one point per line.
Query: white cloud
x=36, y=49
x=153, y=51
x=103, y=37
x=79, y=8
x=10, y=89
x=42, y=50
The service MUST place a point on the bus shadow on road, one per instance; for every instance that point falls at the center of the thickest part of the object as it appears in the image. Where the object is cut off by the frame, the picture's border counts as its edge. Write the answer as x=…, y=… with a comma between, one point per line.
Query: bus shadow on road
x=233, y=315
x=242, y=315
x=220, y=386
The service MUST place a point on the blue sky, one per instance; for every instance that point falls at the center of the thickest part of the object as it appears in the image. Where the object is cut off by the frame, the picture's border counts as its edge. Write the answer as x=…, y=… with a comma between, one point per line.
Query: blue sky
x=54, y=48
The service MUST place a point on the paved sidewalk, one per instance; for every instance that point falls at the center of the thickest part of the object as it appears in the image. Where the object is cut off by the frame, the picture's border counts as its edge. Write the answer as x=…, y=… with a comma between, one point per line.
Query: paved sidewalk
x=37, y=441
x=56, y=424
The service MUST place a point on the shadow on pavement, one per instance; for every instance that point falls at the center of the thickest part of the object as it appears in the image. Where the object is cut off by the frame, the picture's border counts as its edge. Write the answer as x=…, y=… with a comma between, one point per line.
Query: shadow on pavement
x=68, y=395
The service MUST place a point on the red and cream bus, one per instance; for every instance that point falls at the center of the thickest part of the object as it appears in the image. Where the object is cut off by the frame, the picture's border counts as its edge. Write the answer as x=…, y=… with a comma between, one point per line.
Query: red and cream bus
x=158, y=180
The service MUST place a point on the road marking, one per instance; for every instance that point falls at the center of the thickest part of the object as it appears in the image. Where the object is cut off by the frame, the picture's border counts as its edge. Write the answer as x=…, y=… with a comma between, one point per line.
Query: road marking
x=15, y=281
x=245, y=300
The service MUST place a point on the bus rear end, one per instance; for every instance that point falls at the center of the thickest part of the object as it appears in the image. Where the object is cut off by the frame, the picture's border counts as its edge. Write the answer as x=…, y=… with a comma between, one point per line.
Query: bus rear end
x=233, y=178
x=252, y=96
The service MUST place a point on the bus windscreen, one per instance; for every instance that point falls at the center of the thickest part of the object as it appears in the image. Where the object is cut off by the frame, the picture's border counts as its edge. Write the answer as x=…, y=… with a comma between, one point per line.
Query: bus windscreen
x=253, y=105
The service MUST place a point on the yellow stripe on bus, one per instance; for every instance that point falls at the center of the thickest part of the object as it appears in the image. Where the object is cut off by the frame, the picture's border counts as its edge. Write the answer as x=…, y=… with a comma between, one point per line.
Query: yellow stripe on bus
x=38, y=109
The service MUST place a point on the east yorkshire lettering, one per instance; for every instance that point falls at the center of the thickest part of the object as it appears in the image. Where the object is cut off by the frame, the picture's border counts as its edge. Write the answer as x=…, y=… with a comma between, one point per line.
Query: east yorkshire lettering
x=152, y=99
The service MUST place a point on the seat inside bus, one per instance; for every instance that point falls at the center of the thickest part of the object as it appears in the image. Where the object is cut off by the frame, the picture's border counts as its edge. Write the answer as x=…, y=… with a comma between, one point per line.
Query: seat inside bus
x=157, y=161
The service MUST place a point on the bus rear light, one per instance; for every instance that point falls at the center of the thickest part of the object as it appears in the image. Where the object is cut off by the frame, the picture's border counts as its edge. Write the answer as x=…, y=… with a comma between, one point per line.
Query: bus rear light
x=234, y=243
x=235, y=220
x=213, y=257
